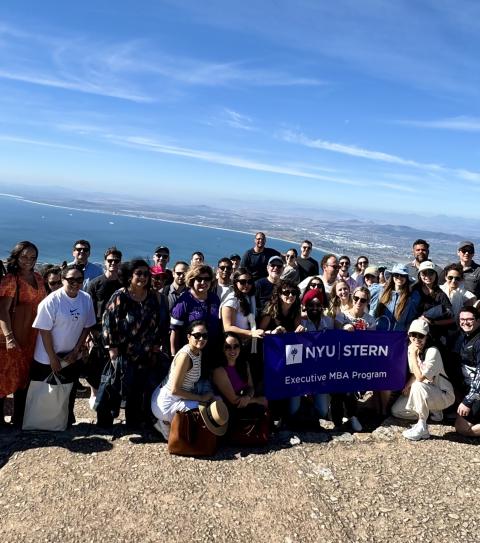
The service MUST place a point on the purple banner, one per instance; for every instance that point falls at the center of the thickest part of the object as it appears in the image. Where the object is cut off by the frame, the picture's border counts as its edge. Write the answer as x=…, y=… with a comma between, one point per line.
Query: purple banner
x=333, y=361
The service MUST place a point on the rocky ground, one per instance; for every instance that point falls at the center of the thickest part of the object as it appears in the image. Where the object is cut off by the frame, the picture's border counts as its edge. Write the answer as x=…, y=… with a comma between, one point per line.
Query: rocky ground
x=81, y=485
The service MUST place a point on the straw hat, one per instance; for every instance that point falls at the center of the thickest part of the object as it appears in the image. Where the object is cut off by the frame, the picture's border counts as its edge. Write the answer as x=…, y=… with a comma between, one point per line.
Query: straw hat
x=215, y=417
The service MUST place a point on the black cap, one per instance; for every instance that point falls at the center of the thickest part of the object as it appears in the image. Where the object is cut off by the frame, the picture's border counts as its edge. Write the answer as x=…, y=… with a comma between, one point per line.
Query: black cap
x=162, y=249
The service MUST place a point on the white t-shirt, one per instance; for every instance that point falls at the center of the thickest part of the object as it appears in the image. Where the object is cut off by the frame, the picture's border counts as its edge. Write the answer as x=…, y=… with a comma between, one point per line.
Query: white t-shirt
x=241, y=321
x=66, y=318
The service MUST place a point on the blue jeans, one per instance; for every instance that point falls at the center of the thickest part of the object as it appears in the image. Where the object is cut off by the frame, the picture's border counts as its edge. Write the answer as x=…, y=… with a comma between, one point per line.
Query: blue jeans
x=320, y=401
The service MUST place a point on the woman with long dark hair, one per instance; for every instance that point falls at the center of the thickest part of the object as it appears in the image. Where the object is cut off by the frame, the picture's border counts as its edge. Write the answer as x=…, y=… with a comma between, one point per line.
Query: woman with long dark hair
x=397, y=306
x=282, y=312
x=131, y=333
x=21, y=290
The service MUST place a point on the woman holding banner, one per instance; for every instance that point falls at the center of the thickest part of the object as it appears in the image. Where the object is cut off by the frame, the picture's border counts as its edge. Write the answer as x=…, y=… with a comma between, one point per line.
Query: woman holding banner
x=282, y=312
x=351, y=320
x=427, y=391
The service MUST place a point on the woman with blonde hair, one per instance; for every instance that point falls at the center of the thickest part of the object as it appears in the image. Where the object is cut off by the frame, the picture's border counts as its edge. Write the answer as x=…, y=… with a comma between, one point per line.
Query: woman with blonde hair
x=340, y=298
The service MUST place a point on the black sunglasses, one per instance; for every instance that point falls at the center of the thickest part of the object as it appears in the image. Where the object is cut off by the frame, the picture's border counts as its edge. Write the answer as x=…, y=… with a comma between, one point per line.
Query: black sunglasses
x=82, y=249
x=288, y=292
x=113, y=260
x=453, y=278
x=74, y=280
x=361, y=300
x=199, y=335
x=245, y=282
x=416, y=335
x=225, y=268
x=314, y=285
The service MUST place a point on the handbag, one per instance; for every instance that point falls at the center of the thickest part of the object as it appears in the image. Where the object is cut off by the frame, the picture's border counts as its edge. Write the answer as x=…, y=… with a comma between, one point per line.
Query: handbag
x=46, y=406
x=250, y=427
x=189, y=436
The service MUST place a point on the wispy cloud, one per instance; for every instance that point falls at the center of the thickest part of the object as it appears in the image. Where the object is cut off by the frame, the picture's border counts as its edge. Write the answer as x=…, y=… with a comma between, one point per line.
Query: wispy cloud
x=461, y=123
x=43, y=143
x=237, y=120
x=378, y=156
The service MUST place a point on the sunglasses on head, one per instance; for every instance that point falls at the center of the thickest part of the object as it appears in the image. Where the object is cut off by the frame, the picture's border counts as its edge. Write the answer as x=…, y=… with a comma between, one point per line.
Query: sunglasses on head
x=229, y=347
x=416, y=335
x=199, y=335
x=141, y=273
x=359, y=299
x=288, y=292
x=245, y=282
x=74, y=280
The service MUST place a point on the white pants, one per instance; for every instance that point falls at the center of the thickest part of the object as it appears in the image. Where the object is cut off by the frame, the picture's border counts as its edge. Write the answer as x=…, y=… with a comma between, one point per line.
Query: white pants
x=423, y=398
x=164, y=405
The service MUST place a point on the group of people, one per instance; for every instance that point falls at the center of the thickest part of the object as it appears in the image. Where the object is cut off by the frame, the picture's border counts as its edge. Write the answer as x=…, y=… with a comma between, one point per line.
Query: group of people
x=183, y=336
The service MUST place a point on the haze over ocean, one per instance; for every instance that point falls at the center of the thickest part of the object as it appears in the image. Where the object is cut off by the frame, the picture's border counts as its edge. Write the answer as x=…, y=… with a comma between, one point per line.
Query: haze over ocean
x=54, y=229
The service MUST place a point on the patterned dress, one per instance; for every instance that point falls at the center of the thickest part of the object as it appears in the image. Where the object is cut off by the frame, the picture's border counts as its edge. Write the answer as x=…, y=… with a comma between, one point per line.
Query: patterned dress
x=15, y=363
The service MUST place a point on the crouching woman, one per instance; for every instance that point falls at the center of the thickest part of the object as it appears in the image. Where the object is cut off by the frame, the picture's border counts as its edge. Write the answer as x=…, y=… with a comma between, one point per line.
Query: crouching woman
x=427, y=390
x=179, y=392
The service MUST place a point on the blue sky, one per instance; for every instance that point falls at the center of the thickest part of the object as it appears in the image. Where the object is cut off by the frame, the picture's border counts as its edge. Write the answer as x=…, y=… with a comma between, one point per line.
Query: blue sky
x=370, y=105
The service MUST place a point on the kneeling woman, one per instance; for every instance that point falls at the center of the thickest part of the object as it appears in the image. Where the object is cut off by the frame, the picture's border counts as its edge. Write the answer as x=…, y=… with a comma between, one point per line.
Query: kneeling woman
x=427, y=390
x=233, y=379
x=178, y=394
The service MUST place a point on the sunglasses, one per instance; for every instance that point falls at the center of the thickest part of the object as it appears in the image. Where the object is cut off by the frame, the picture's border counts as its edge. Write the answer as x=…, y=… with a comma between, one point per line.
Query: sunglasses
x=140, y=273
x=200, y=335
x=161, y=255
x=362, y=262
x=54, y=283
x=245, y=282
x=453, y=278
x=225, y=268
x=290, y=256
x=82, y=249
x=344, y=264
x=289, y=292
x=428, y=272
x=231, y=347
x=467, y=250
x=203, y=279
x=315, y=285
x=416, y=335
x=113, y=260
x=361, y=300
x=278, y=266
x=74, y=280
x=179, y=274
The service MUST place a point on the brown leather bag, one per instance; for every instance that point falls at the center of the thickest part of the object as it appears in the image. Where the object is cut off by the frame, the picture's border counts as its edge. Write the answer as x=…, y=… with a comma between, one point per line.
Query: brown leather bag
x=250, y=428
x=189, y=435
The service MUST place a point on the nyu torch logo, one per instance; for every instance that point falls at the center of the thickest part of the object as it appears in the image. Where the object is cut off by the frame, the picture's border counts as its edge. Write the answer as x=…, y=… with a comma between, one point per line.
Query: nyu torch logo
x=294, y=354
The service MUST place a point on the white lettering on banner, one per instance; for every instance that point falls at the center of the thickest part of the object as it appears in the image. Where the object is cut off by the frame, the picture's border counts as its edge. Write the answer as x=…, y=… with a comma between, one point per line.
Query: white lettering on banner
x=369, y=375
x=338, y=375
x=314, y=378
x=319, y=351
x=365, y=350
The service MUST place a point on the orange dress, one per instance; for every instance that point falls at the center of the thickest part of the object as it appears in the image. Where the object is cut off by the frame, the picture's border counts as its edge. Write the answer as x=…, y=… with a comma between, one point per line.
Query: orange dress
x=15, y=363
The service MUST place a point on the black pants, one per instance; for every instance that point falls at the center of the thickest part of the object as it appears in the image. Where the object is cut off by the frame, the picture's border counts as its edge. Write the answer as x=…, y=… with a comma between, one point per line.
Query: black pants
x=341, y=404
x=69, y=374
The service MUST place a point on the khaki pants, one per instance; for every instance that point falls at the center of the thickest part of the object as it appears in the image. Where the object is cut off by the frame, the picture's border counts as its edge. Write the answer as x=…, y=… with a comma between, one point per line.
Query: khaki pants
x=423, y=398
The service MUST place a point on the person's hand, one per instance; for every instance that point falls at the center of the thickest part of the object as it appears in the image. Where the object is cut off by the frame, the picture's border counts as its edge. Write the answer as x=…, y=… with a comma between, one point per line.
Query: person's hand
x=463, y=410
x=413, y=350
x=11, y=343
x=349, y=328
x=206, y=397
x=279, y=330
x=71, y=357
x=428, y=321
x=258, y=333
x=406, y=390
x=243, y=402
x=300, y=328
x=55, y=364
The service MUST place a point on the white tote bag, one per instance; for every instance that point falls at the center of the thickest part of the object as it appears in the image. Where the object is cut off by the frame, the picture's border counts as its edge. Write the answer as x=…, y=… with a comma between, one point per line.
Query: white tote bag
x=47, y=405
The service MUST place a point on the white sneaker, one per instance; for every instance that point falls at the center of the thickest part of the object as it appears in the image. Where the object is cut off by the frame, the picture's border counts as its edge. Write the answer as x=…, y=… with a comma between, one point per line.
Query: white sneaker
x=416, y=433
x=436, y=416
x=163, y=427
x=355, y=424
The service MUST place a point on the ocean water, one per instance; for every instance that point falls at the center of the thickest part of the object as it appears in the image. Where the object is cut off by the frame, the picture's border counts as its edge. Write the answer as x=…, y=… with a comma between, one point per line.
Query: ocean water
x=54, y=229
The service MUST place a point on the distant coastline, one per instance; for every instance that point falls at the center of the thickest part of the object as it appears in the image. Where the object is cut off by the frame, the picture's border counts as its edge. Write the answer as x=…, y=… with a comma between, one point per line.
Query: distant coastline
x=132, y=214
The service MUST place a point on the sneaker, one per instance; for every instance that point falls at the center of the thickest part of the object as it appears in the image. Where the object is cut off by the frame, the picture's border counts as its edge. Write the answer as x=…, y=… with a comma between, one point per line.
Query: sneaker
x=355, y=424
x=436, y=416
x=163, y=427
x=416, y=433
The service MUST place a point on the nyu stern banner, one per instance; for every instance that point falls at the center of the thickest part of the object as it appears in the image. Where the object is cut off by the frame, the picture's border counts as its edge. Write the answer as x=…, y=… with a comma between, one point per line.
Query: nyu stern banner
x=333, y=361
